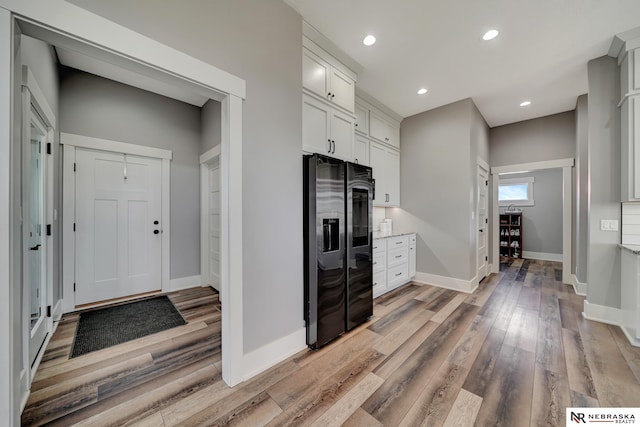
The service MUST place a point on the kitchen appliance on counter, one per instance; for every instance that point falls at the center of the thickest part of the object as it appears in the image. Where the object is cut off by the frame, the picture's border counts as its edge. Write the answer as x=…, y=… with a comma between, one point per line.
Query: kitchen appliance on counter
x=338, y=204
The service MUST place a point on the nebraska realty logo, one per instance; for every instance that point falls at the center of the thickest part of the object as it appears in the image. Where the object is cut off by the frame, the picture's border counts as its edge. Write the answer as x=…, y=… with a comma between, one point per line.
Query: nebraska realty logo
x=602, y=416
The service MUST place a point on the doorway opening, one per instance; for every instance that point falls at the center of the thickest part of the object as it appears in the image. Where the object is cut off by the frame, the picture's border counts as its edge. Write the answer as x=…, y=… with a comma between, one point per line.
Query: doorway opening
x=510, y=208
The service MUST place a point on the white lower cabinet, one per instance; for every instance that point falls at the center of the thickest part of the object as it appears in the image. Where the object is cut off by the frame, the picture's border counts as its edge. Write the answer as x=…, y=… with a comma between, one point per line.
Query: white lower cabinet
x=393, y=261
x=379, y=266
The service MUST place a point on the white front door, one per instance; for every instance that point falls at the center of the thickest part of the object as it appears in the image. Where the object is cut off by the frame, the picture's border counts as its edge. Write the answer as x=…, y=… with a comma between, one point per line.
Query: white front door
x=483, y=222
x=118, y=225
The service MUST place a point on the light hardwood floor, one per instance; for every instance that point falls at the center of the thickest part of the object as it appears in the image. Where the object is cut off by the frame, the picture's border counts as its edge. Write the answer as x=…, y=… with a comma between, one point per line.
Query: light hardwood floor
x=516, y=352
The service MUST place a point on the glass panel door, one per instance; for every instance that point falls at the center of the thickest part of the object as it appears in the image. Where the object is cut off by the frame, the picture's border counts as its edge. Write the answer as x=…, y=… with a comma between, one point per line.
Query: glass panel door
x=35, y=233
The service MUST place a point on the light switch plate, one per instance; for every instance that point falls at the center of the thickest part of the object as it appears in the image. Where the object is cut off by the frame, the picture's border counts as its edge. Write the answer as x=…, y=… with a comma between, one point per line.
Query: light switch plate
x=609, y=225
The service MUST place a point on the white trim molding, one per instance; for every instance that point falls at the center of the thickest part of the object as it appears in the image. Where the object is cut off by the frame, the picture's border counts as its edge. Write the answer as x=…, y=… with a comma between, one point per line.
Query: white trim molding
x=184, y=283
x=602, y=313
x=9, y=401
x=579, y=287
x=543, y=256
x=567, y=202
x=210, y=155
x=92, y=143
x=466, y=286
x=271, y=354
x=548, y=164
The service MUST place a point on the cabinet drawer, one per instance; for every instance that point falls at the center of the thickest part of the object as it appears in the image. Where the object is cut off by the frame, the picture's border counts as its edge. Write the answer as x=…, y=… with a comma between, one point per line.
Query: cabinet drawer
x=397, y=242
x=379, y=262
x=379, y=246
x=379, y=282
x=397, y=256
x=397, y=276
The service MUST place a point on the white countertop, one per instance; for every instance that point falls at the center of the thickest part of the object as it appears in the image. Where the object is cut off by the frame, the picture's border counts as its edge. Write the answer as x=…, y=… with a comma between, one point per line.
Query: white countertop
x=376, y=235
x=634, y=249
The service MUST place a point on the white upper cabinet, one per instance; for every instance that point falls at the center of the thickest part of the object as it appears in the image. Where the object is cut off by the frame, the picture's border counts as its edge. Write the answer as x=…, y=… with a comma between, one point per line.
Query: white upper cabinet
x=383, y=130
x=361, y=150
x=362, y=119
x=630, y=123
x=385, y=163
x=326, y=130
x=315, y=73
x=326, y=77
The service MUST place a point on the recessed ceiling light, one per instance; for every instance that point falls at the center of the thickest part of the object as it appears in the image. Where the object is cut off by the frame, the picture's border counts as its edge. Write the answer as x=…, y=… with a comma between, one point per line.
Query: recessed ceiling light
x=525, y=103
x=422, y=91
x=369, y=40
x=491, y=34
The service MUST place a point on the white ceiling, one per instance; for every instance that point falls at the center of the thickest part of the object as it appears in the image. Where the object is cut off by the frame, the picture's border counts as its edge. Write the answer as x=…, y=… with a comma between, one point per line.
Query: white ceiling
x=540, y=55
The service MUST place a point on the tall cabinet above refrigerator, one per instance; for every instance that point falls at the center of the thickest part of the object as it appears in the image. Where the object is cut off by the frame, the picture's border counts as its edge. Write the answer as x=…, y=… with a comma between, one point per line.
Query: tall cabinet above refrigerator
x=338, y=200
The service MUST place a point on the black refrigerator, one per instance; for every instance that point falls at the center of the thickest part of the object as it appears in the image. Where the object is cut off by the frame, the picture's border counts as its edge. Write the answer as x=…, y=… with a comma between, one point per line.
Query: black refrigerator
x=338, y=290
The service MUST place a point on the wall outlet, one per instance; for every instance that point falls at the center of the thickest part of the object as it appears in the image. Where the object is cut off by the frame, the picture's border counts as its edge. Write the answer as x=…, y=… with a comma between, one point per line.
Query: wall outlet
x=609, y=225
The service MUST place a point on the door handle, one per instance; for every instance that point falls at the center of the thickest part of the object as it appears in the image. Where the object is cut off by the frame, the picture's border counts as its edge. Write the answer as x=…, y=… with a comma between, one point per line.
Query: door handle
x=35, y=248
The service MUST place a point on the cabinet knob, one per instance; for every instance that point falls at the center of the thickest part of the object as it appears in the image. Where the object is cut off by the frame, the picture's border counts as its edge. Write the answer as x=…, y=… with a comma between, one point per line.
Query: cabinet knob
x=156, y=231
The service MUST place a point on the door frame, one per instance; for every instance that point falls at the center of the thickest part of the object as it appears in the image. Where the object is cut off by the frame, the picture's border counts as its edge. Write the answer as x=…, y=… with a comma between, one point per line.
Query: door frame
x=205, y=160
x=567, y=202
x=61, y=23
x=481, y=164
x=71, y=142
x=32, y=95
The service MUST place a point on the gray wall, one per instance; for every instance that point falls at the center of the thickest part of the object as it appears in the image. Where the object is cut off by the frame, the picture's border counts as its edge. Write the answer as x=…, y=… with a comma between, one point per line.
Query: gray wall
x=542, y=223
x=261, y=42
x=101, y=108
x=437, y=189
x=546, y=138
x=603, y=271
x=581, y=194
x=210, y=122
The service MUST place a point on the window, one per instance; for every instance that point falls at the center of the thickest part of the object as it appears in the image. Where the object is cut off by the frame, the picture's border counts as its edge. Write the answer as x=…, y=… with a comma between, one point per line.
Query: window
x=516, y=191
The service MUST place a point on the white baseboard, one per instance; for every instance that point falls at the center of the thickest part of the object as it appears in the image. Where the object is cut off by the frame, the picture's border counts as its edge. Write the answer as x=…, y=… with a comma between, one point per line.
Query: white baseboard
x=467, y=286
x=579, y=287
x=183, y=283
x=602, y=313
x=543, y=256
x=273, y=353
x=611, y=316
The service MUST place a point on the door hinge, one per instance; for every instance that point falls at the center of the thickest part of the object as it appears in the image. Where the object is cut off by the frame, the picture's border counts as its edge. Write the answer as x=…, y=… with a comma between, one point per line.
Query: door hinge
x=48, y=229
x=486, y=220
x=486, y=182
x=48, y=311
x=48, y=148
x=74, y=167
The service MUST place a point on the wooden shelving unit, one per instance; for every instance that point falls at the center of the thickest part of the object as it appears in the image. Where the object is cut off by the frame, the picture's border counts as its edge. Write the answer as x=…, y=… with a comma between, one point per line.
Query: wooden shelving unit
x=511, y=235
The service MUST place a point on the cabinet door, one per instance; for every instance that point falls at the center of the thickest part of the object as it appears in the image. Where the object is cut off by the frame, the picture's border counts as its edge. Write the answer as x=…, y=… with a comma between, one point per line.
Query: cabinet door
x=342, y=89
x=315, y=73
x=394, y=136
x=361, y=151
x=392, y=176
x=315, y=126
x=378, y=128
x=341, y=134
x=362, y=119
x=412, y=255
x=377, y=157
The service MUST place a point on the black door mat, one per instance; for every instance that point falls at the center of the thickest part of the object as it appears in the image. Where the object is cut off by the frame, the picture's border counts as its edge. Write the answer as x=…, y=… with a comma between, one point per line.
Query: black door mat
x=106, y=327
